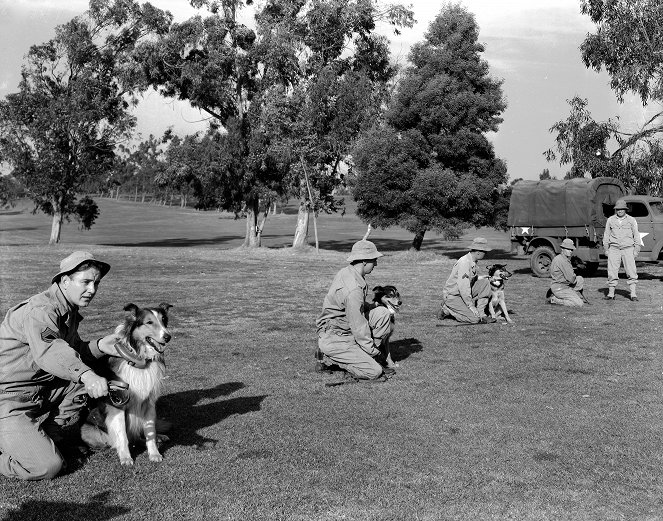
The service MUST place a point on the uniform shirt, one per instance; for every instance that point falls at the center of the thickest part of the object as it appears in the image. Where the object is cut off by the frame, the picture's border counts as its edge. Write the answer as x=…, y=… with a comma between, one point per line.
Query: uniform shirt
x=462, y=278
x=344, y=309
x=561, y=272
x=39, y=341
x=621, y=233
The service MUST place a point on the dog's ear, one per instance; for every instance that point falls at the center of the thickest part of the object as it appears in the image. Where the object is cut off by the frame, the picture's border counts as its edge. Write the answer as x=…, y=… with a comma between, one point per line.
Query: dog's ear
x=165, y=306
x=377, y=289
x=132, y=310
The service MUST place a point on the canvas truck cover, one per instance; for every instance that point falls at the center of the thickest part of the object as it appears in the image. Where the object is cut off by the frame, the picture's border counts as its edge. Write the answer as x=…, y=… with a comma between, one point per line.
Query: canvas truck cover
x=572, y=202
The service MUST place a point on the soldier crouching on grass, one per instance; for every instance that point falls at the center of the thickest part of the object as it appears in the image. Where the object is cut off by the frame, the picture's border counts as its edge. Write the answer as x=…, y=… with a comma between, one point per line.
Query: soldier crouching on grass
x=44, y=365
x=465, y=295
x=346, y=337
x=566, y=286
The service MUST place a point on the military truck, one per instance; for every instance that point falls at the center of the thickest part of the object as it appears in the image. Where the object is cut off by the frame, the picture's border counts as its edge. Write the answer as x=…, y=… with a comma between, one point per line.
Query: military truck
x=544, y=213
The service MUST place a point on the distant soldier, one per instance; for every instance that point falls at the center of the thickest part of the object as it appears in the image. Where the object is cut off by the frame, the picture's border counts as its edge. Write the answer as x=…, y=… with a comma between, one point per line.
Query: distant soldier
x=465, y=295
x=621, y=242
x=566, y=286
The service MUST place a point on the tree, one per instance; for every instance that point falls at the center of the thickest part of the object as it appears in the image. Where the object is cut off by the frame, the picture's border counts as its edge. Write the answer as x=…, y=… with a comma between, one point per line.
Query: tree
x=343, y=71
x=444, y=105
x=628, y=44
x=60, y=130
x=582, y=143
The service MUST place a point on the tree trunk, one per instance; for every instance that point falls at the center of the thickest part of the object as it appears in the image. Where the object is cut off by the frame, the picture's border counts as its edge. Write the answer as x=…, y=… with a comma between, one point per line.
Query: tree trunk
x=418, y=240
x=252, y=237
x=301, y=232
x=56, y=225
x=136, y=194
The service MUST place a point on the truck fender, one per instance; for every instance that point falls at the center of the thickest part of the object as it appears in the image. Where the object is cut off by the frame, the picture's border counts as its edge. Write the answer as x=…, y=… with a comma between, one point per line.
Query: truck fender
x=543, y=241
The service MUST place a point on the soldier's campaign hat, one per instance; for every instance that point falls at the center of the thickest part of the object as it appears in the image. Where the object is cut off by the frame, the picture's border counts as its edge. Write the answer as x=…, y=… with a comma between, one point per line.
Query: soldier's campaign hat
x=567, y=244
x=621, y=205
x=364, y=250
x=480, y=244
x=69, y=264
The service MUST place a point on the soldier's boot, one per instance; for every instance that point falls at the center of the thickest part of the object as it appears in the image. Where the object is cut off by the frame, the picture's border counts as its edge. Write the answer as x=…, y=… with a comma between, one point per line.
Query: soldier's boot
x=611, y=293
x=634, y=297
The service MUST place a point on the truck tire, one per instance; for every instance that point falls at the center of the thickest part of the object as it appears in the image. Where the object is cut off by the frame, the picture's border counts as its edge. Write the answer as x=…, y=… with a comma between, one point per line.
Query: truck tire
x=540, y=261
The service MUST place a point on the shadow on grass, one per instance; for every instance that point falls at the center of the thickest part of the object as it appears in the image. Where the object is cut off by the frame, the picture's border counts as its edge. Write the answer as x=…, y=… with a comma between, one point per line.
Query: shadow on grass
x=189, y=415
x=180, y=242
x=402, y=349
x=96, y=508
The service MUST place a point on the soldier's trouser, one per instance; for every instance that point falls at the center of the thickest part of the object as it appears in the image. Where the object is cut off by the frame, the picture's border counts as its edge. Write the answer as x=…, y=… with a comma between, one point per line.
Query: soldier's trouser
x=346, y=353
x=30, y=425
x=461, y=312
x=616, y=257
x=567, y=295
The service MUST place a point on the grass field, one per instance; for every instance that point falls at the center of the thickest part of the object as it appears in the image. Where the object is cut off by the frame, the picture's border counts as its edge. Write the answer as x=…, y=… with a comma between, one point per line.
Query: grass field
x=556, y=417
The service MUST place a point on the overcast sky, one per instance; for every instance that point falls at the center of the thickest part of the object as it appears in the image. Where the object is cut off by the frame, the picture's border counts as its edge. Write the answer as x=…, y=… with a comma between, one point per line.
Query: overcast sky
x=530, y=44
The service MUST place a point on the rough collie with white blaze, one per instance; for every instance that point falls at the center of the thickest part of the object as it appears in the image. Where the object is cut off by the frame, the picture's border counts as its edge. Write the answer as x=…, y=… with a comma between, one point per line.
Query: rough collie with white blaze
x=143, y=338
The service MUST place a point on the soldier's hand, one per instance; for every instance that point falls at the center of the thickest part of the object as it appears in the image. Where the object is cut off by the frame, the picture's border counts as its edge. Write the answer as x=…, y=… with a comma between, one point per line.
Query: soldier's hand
x=95, y=385
x=107, y=345
x=474, y=310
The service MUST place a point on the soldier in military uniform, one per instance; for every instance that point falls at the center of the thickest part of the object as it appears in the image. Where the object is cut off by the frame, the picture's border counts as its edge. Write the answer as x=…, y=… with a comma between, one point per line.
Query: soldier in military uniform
x=44, y=364
x=346, y=337
x=566, y=286
x=621, y=242
x=465, y=294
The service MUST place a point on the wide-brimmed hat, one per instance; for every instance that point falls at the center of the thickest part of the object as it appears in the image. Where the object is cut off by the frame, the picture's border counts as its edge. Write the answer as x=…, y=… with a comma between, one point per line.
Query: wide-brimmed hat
x=364, y=250
x=567, y=244
x=480, y=244
x=621, y=205
x=69, y=264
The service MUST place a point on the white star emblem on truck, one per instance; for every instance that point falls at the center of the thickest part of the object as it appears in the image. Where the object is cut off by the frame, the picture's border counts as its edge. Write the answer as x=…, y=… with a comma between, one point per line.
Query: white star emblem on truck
x=524, y=229
x=641, y=236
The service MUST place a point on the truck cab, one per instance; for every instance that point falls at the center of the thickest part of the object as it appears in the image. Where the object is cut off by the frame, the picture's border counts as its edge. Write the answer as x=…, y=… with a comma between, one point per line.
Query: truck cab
x=648, y=212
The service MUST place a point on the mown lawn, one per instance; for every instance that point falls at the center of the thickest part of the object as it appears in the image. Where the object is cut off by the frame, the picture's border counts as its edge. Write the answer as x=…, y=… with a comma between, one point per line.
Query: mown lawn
x=557, y=417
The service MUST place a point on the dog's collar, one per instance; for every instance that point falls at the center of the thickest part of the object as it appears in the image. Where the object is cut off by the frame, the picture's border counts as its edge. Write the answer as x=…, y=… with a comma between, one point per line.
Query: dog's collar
x=130, y=356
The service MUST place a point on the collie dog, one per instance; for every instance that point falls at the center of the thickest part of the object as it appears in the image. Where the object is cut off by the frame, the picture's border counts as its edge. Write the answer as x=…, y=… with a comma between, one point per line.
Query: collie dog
x=387, y=301
x=142, y=339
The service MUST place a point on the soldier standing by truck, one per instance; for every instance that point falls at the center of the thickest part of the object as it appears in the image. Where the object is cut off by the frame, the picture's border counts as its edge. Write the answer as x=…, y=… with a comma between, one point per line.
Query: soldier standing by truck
x=621, y=242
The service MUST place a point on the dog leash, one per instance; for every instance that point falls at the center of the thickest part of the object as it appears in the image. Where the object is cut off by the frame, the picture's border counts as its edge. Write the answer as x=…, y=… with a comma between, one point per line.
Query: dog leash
x=118, y=394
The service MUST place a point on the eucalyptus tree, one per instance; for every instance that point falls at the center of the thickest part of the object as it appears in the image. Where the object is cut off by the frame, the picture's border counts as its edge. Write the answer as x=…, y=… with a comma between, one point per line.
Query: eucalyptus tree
x=59, y=131
x=300, y=62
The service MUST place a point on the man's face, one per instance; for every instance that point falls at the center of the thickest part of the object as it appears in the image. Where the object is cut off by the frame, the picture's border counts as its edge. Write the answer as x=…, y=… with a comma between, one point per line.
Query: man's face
x=369, y=265
x=621, y=213
x=479, y=254
x=566, y=252
x=80, y=287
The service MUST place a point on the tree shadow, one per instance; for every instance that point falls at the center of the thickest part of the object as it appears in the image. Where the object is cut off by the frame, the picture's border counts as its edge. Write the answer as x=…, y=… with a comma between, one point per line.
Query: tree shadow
x=178, y=242
x=403, y=348
x=97, y=508
x=189, y=416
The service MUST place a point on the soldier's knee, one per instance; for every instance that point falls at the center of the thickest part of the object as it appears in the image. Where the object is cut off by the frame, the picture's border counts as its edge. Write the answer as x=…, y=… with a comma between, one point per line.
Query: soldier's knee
x=49, y=467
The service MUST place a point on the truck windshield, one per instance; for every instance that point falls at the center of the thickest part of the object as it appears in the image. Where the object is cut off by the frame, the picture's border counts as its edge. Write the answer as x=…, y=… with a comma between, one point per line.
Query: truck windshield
x=656, y=207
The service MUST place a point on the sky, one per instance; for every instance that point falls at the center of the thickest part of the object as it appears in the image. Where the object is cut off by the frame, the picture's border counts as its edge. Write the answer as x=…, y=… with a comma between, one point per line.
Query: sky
x=531, y=45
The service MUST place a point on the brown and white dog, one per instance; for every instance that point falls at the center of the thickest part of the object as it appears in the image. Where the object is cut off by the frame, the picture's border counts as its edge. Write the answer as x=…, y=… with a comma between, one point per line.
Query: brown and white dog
x=389, y=298
x=497, y=276
x=143, y=338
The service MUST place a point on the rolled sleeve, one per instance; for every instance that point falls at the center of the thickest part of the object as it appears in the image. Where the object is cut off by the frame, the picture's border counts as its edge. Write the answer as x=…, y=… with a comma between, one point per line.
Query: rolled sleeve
x=49, y=350
x=354, y=307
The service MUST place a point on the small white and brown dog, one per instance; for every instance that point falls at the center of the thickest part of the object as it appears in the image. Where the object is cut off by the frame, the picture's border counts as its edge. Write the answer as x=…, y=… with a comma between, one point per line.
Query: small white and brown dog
x=497, y=276
x=112, y=423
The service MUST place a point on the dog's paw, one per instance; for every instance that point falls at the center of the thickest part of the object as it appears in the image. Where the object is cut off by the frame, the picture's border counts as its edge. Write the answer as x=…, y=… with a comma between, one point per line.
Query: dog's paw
x=126, y=462
x=157, y=458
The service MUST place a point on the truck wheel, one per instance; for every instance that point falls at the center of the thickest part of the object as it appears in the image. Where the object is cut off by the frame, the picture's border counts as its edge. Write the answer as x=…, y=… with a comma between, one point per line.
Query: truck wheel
x=540, y=261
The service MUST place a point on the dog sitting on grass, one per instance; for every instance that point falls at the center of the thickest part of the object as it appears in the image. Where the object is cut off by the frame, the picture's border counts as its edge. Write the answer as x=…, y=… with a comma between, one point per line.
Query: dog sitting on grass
x=387, y=302
x=498, y=275
x=143, y=338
